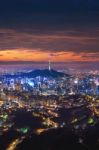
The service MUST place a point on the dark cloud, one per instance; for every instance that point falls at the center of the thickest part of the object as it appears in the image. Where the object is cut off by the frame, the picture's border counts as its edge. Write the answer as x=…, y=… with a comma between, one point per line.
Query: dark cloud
x=91, y=55
x=50, y=25
x=66, y=40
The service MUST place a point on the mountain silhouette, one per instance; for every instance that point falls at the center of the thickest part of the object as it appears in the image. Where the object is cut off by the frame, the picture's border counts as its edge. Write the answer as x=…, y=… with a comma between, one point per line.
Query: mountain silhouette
x=43, y=73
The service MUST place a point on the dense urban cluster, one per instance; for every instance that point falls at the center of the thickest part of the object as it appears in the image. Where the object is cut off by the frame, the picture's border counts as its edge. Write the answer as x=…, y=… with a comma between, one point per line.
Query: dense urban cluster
x=82, y=83
x=37, y=105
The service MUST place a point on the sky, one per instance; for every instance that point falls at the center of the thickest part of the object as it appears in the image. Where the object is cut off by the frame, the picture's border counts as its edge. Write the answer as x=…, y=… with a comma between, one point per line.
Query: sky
x=59, y=30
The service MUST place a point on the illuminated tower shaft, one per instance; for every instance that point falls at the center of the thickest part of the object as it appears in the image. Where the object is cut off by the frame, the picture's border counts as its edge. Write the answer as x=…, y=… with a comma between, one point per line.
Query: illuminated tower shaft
x=49, y=67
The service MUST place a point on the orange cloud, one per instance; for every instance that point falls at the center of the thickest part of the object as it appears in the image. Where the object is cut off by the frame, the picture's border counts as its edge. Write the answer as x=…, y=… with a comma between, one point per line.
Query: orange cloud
x=37, y=55
x=62, y=47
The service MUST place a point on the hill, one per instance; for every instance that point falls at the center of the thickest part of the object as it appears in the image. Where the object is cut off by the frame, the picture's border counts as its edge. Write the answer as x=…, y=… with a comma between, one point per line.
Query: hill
x=38, y=72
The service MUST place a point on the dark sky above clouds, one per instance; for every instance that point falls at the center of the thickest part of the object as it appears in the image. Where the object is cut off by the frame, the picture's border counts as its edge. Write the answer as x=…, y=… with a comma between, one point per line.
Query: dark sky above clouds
x=67, y=30
x=48, y=5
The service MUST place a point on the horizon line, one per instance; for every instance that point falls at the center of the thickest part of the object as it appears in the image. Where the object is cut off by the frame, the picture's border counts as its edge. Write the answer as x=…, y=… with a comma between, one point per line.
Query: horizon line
x=43, y=62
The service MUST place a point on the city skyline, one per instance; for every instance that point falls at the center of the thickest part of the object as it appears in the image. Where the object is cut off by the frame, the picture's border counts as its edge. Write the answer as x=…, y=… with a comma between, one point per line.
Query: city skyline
x=49, y=74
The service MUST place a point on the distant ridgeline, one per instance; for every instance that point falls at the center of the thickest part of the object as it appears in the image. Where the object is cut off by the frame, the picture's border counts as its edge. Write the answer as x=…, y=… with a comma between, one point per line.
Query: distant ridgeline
x=38, y=72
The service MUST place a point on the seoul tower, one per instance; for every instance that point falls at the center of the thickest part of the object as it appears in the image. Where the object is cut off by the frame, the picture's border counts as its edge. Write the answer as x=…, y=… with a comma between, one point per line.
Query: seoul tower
x=49, y=66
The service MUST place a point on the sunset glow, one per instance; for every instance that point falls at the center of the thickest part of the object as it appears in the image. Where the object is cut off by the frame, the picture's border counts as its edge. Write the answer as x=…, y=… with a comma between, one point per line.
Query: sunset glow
x=26, y=55
x=64, y=36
